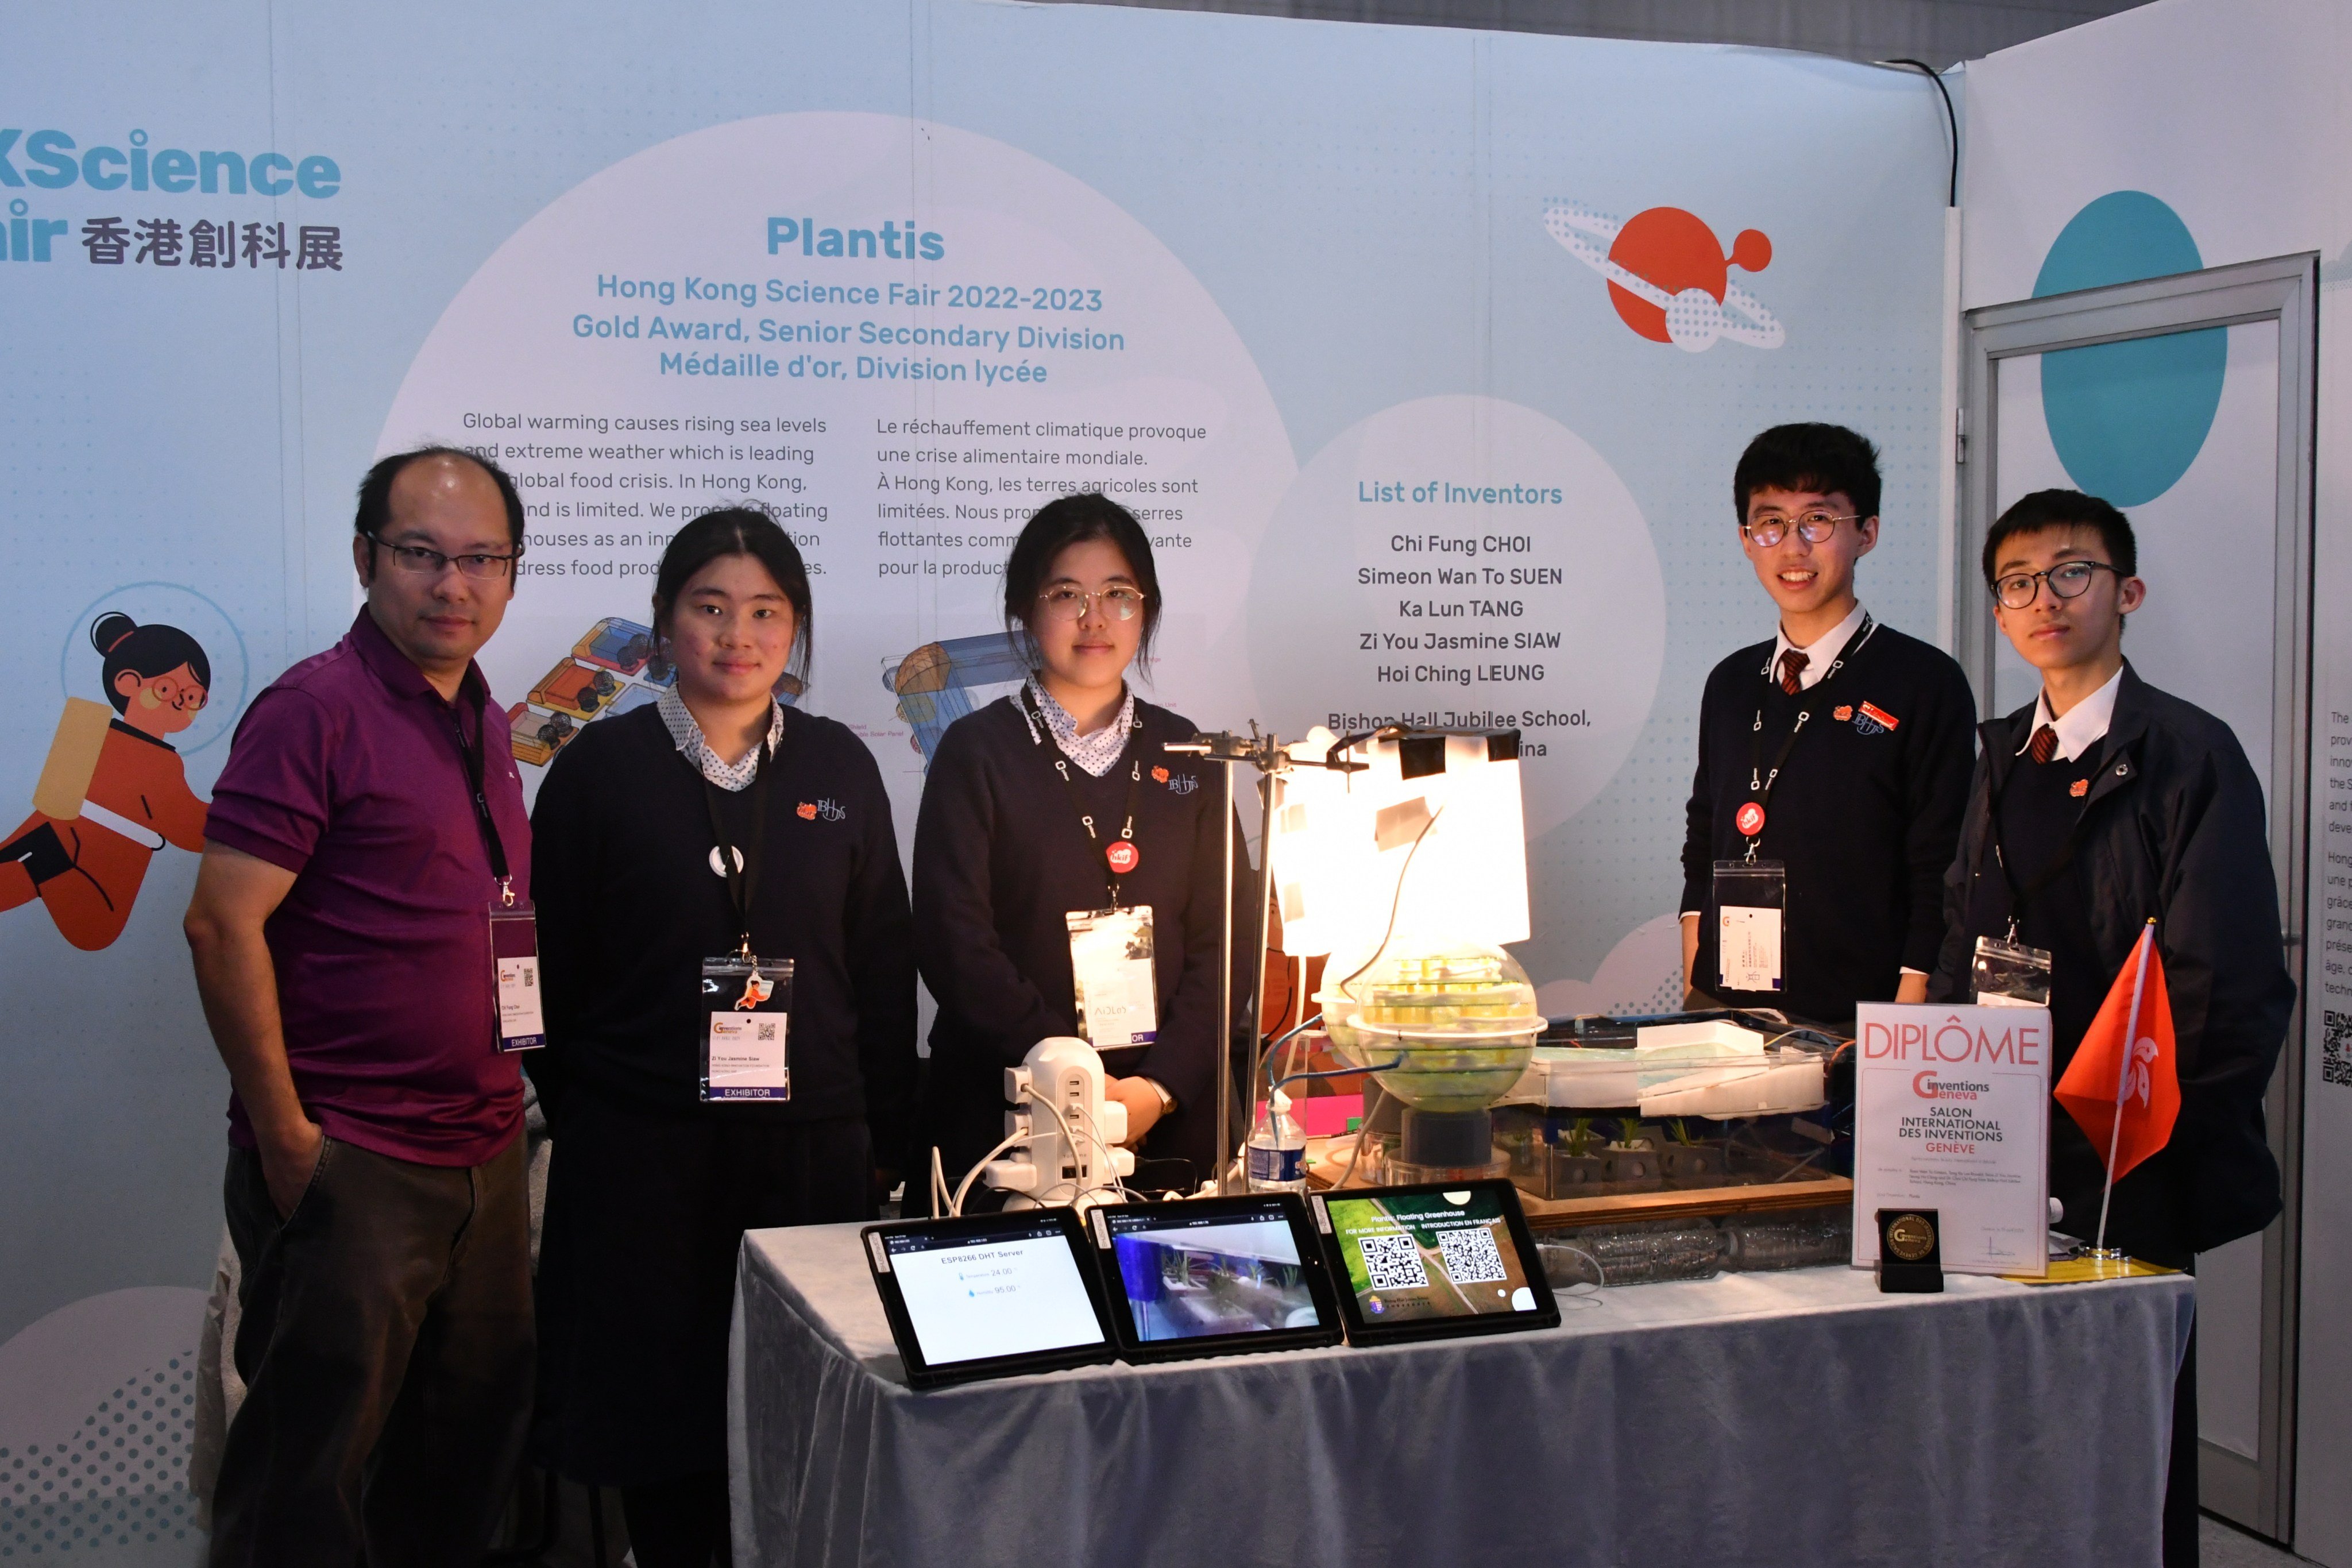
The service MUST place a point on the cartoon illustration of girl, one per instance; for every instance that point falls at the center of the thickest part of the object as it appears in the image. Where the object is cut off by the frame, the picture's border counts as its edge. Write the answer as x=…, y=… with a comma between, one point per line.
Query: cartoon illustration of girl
x=114, y=790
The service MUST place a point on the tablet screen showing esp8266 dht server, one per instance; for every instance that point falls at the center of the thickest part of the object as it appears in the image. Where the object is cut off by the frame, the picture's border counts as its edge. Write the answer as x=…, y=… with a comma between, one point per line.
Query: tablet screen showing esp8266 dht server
x=988, y=1296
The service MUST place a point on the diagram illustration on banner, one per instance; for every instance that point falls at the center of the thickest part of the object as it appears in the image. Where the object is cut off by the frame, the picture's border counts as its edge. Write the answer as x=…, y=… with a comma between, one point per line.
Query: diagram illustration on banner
x=1669, y=277
x=617, y=666
x=112, y=791
x=940, y=682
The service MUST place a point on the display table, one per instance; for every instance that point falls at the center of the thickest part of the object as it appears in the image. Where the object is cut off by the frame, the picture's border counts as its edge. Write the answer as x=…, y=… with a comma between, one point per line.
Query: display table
x=1798, y=1419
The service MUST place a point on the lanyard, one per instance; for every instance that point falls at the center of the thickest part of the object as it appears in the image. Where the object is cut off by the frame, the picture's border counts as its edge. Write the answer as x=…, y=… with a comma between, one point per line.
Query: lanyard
x=1117, y=862
x=742, y=876
x=1759, y=780
x=2020, y=895
x=474, y=770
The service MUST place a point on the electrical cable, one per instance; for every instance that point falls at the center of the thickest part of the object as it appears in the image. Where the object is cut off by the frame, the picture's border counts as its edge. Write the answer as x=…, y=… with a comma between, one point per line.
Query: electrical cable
x=1110, y=1164
x=1952, y=186
x=1110, y=1159
x=1396, y=902
x=1356, y=1159
x=955, y=1207
x=1287, y=1035
x=1599, y=1275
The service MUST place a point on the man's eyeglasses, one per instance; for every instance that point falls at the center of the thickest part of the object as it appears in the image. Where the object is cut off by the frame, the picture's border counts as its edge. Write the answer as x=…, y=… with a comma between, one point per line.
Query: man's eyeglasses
x=426, y=562
x=2067, y=580
x=1067, y=604
x=1812, y=527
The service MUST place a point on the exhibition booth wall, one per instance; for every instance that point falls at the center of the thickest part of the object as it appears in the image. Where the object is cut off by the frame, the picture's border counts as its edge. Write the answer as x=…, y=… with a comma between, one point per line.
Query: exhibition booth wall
x=2202, y=135
x=1424, y=356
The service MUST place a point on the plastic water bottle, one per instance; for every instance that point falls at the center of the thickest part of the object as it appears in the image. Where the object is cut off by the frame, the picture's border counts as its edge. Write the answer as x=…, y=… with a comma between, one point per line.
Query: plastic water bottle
x=1277, y=1151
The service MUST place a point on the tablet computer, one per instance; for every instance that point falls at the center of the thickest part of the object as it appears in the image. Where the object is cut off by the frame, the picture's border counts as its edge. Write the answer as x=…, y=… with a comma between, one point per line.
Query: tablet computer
x=1212, y=1277
x=1419, y=1262
x=988, y=1295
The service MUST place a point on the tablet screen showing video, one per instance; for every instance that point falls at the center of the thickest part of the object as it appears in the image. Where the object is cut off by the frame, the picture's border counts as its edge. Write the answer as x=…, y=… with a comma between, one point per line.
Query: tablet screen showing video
x=1235, y=1273
x=993, y=1295
x=1428, y=1256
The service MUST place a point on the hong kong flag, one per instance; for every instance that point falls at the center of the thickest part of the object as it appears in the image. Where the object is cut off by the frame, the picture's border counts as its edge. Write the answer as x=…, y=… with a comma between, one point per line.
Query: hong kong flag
x=2122, y=1088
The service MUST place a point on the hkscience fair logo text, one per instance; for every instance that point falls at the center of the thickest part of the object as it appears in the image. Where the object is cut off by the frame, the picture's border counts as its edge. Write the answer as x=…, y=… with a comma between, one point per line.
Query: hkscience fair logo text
x=52, y=160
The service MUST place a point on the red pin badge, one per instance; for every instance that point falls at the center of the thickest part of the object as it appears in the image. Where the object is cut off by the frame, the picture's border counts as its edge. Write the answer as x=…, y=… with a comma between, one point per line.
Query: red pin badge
x=1123, y=856
x=1750, y=820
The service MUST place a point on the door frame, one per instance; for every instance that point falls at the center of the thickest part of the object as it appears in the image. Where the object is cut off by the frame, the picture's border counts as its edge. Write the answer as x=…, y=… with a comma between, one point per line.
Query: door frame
x=2258, y=1493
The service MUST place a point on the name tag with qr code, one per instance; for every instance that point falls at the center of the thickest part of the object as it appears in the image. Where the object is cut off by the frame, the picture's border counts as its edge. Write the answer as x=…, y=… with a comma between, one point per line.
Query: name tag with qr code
x=747, y=1029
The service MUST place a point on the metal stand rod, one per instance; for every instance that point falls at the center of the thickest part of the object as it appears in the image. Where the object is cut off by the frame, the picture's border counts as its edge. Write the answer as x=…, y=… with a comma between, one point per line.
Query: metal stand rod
x=1263, y=923
x=1226, y=751
x=1225, y=996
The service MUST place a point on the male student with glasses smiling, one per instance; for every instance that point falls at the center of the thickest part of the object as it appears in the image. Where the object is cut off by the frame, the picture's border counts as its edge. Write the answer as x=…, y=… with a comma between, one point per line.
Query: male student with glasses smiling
x=1832, y=761
x=367, y=823
x=2104, y=803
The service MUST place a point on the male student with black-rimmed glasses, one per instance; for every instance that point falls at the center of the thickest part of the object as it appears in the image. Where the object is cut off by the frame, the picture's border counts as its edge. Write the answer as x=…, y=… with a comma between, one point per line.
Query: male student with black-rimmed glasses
x=1832, y=761
x=2104, y=804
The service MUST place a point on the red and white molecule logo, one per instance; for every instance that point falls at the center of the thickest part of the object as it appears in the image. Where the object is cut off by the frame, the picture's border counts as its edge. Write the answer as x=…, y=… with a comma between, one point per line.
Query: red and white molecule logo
x=1669, y=277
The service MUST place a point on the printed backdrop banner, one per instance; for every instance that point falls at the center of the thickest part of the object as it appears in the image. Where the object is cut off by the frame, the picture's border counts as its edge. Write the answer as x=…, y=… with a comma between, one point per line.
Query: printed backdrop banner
x=1424, y=356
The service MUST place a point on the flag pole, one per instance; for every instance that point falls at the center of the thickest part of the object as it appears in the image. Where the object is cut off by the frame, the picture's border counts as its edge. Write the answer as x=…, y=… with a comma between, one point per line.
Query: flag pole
x=2122, y=1081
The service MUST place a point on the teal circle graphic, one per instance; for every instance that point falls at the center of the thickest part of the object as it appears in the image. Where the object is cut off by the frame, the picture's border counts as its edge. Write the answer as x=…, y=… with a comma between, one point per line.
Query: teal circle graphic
x=2128, y=418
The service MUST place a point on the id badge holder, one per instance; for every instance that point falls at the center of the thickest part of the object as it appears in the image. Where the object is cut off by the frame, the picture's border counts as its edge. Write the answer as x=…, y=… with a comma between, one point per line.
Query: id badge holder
x=1111, y=971
x=514, y=964
x=1751, y=900
x=2009, y=975
x=747, y=1007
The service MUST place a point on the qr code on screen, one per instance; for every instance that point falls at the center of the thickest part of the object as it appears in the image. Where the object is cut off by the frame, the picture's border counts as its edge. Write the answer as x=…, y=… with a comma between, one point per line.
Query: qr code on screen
x=1392, y=1263
x=1470, y=1255
x=2336, y=1048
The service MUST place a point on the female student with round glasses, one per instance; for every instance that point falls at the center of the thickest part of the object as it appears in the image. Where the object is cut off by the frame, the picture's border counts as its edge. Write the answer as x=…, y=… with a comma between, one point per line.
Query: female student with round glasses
x=1058, y=804
x=674, y=842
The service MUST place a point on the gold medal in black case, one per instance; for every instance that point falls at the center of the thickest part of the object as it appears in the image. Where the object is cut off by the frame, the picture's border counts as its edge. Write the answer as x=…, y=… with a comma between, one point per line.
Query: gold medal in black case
x=1910, y=1252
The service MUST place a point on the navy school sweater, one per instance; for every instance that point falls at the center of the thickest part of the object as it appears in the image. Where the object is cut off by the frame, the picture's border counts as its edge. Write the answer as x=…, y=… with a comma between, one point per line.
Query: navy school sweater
x=630, y=904
x=1866, y=814
x=1000, y=860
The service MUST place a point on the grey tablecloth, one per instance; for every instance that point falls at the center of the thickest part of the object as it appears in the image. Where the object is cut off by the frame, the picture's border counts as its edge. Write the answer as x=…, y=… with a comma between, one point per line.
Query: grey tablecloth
x=1794, y=1418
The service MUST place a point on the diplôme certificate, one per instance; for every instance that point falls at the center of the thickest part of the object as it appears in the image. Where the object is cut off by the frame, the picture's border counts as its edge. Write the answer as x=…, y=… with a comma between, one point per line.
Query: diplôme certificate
x=1951, y=1113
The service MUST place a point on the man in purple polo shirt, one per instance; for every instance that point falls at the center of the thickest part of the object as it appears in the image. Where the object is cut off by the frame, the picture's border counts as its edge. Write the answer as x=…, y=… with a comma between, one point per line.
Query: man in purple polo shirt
x=369, y=818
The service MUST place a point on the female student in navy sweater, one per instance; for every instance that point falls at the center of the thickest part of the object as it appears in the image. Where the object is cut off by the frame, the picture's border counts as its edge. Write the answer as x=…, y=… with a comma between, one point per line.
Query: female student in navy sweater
x=1003, y=856
x=652, y=1187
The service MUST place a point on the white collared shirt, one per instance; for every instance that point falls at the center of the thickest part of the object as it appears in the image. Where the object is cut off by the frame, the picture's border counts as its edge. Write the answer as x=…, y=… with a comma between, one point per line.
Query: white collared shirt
x=688, y=737
x=1098, y=753
x=2084, y=725
x=1823, y=652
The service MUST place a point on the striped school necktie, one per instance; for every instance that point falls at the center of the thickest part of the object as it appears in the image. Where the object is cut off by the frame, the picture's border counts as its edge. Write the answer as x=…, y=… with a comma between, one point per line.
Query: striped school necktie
x=2045, y=744
x=1793, y=665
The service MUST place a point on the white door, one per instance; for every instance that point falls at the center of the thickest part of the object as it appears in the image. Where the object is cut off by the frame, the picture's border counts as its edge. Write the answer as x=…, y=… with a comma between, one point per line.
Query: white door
x=2183, y=430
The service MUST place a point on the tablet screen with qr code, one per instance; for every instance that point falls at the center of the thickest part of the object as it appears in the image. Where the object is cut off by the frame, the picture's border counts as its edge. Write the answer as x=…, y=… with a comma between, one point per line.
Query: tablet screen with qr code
x=1427, y=1255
